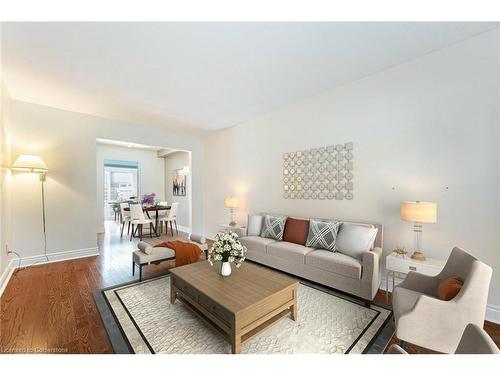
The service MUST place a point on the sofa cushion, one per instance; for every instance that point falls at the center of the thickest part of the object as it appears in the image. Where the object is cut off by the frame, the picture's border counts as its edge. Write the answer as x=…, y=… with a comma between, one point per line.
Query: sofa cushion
x=289, y=251
x=322, y=234
x=296, y=231
x=334, y=262
x=254, y=226
x=355, y=239
x=256, y=243
x=273, y=227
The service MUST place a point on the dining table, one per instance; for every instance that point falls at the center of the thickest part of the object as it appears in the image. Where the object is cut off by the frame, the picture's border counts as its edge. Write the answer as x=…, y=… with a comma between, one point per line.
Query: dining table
x=156, y=209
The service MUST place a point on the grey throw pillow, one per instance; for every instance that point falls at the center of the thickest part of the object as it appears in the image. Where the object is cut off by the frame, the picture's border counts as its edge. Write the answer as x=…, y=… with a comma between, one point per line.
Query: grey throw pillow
x=254, y=226
x=273, y=227
x=323, y=234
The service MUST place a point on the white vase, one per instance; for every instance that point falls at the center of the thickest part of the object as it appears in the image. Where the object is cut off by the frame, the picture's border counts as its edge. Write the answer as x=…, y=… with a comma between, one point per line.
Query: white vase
x=225, y=269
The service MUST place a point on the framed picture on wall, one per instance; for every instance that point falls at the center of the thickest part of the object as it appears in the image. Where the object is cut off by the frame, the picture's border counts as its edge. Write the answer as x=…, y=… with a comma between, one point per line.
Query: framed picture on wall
x=179, y=183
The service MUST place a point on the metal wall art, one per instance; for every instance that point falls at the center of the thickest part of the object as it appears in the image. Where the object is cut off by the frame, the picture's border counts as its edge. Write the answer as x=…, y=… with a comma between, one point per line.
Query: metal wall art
x=319, y=173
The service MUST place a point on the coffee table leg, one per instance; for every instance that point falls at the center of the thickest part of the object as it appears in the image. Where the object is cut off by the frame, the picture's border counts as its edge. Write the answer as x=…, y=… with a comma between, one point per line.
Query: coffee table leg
x=236, y=345
x=293, y=308
x=173, y=294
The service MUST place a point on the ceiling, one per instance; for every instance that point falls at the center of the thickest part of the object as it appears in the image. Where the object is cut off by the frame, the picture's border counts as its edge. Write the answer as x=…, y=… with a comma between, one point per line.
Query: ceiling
x=200, y=77
x=112, y=142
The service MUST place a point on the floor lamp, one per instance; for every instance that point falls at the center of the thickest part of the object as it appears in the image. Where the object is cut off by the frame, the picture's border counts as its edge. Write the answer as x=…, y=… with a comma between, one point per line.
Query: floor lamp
x=35, y=164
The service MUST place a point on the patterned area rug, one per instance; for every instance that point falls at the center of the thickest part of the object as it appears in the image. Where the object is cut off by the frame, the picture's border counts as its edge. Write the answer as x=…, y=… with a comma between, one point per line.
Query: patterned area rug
x=327, y=323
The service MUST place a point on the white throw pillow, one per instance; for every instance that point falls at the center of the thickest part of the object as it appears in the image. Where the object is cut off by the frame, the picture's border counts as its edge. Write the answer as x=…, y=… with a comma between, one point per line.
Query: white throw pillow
x=254, y=226
x=355, y=239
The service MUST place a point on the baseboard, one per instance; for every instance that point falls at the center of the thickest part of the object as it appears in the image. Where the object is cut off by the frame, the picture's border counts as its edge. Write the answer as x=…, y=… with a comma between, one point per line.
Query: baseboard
x=6, y=274
x=58, y=257
x=492, y=311
x=184, y=229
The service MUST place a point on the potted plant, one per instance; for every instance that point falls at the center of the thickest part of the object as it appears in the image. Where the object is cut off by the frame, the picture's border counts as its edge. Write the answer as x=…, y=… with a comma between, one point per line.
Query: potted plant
x=226, y=249
x=148, y=199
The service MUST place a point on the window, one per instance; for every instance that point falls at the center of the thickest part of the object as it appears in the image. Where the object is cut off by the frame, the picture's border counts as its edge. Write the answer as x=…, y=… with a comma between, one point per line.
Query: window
x=121, y=183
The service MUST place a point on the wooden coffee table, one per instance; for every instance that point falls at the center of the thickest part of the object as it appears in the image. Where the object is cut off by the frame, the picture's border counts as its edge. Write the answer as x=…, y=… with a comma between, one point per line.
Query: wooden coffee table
x=239, y=306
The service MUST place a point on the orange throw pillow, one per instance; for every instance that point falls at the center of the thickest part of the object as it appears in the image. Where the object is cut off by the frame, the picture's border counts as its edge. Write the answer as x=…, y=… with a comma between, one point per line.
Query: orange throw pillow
x=296, y=231
x=449, y=288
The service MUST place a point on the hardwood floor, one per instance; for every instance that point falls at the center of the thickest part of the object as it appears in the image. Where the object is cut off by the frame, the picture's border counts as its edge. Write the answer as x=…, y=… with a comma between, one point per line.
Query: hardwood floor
x=49, y=308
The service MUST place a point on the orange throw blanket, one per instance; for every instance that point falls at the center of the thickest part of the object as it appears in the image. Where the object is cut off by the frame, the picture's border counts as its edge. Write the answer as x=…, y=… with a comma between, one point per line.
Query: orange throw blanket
x=185, y=252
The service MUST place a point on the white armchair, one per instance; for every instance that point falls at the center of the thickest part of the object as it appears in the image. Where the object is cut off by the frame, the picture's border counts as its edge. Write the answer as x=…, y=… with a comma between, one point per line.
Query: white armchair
x=425, y=320
x=474, y=340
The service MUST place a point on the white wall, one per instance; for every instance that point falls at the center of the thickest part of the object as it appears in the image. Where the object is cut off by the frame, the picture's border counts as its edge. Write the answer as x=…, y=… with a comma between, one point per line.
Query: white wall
x=151, y=172
x=5, y=183
x=178, y=160
x=424, y=130
x=67, y=142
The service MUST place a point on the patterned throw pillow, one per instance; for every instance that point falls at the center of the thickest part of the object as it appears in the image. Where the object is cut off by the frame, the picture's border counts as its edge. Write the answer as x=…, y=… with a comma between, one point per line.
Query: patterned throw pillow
x=273, y=227
x=323, y=234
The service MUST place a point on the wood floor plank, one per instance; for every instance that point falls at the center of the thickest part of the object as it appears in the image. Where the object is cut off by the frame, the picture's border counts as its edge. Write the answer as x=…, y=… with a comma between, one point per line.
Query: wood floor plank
x=49, y=308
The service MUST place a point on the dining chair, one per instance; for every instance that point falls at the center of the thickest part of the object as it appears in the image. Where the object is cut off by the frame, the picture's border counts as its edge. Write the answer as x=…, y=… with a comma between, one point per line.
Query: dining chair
x=171, y=217
x=116, y=211
x=125, y=217
x=162, y=214
x=137, y=218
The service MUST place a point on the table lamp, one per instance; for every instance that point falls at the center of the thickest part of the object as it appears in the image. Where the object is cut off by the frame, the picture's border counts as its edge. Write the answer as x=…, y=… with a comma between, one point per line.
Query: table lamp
x=232, y=204
x=418, y=212
x=35, y=164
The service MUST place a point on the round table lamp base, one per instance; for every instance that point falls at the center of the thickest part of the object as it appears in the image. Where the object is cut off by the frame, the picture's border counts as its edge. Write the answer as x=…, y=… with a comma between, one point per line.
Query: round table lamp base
x=417, y=255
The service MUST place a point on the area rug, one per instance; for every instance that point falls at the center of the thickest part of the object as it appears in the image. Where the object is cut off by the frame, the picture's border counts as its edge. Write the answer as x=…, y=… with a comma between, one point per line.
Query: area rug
x=327, y=323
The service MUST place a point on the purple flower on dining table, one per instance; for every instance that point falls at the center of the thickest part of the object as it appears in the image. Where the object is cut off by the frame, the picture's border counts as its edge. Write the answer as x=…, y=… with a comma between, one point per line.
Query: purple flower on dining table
x=148, y=199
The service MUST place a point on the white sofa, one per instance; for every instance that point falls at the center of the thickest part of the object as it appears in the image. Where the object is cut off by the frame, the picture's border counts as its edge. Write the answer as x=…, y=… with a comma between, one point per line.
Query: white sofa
x=360, y=277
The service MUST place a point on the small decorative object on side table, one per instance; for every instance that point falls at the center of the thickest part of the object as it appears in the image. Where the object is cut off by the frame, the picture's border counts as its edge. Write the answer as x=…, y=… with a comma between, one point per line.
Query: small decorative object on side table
x=240, y=230
x=400, y=251
x=397, y=264
x=227, y=249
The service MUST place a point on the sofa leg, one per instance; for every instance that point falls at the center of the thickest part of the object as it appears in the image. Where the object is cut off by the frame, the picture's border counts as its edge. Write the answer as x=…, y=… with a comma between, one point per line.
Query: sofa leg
x=140, y=272
x=133, y=268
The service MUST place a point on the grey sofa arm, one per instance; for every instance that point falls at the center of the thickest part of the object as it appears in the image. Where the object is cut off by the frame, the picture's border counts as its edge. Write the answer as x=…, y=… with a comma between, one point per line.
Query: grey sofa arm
x=370, y=277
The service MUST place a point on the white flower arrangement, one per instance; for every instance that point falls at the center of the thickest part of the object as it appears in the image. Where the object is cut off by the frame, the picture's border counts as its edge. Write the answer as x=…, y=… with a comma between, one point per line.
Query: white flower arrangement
x=227, y=248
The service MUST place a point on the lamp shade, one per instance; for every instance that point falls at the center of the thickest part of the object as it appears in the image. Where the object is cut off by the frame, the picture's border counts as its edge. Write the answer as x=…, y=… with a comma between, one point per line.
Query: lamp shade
x=420, y=212
x=231, y=202
x=185, y=171
x=29, y=163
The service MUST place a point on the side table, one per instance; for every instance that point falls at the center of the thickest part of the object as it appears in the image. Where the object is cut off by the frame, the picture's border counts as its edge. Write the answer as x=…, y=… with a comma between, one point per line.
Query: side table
x=398, y=264
x=240, y=230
